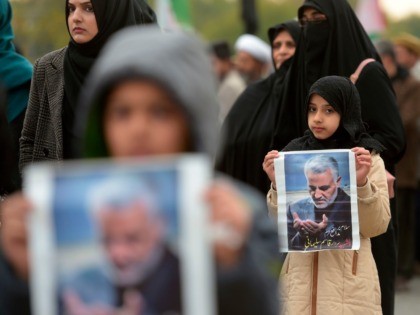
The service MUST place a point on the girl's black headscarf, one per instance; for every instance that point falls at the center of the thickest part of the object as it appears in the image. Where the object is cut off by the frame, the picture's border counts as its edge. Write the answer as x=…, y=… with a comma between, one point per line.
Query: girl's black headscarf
x=111, y=16
x=249, y=126
x=335, y=46
x=343, y=96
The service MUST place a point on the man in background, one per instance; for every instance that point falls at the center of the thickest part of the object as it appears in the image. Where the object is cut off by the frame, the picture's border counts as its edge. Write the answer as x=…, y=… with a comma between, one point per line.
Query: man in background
x=407, y=51
x=407, y=90
x=231, y=84
x=253, y=58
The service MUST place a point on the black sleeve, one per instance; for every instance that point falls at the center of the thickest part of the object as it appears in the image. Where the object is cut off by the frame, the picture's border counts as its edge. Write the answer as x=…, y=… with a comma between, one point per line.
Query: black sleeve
x=252, y=286
x=380, y=112
x=14, y=293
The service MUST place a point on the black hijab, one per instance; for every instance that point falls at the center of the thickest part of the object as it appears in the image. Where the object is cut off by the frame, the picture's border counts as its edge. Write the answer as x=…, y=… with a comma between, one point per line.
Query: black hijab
x=343, y=96
x=249, y=126
x=111, y=16
x=291, y=26
x=335, y=46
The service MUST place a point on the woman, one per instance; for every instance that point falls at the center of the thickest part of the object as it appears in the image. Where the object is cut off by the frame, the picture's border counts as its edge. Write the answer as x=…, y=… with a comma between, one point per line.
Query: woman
x=335, y=43
x=250, y=123
x=283, y=39
x=58, y=76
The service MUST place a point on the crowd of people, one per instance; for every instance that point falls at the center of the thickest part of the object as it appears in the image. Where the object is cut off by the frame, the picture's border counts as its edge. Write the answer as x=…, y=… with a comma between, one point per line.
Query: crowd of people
x=123, y=88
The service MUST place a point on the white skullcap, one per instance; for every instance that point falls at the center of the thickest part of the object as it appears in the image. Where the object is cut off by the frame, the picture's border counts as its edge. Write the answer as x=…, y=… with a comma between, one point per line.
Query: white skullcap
x=254, y=46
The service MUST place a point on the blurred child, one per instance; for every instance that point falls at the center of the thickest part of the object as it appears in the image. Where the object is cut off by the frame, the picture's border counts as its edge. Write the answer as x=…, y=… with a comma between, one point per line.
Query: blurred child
x=154, y=94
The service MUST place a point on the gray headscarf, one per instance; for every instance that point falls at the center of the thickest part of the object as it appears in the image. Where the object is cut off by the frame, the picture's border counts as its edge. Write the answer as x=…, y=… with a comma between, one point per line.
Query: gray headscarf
x=176, y=61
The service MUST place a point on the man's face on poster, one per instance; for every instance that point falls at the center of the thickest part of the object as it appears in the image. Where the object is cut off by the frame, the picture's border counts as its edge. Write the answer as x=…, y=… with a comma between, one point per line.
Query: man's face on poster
x=131, y=237
x=322, y=188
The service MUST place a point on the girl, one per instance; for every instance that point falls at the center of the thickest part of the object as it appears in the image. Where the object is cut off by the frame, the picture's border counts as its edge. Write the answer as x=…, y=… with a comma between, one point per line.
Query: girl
x=340, y=282
x=335, y=43
x=58, y=76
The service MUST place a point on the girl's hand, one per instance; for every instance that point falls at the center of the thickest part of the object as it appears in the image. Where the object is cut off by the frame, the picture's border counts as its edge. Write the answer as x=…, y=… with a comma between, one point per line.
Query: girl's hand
x=231, y=221
x=268, y=165
x=363, y=165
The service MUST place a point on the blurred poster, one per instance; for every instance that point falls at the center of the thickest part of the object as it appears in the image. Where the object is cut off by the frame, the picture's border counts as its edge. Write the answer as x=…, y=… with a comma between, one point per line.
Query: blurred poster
x=120, y=237
x=317, y=200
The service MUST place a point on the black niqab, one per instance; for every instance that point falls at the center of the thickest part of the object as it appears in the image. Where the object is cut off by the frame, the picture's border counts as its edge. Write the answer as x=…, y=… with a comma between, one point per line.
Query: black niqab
x=111, y=16
x=337, y=46
x=343, y=96
x=249, y=126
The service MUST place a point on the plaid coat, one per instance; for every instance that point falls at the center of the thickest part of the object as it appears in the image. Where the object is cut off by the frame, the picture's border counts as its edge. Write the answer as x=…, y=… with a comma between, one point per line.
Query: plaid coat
x=42, y=135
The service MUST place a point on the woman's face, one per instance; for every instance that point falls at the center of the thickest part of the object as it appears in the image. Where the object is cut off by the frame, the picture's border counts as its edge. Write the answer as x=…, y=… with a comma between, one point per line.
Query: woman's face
x=311, y=15
x=81, y=21
x=142, y=119
x=323, y=119
x=284, y=47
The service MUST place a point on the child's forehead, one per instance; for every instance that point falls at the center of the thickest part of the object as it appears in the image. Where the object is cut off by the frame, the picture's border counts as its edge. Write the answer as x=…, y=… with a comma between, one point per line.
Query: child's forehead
x=317, y=99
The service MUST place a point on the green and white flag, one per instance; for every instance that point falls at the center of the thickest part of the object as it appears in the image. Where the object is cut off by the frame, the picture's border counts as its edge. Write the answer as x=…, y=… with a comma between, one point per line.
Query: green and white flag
x=173, y=14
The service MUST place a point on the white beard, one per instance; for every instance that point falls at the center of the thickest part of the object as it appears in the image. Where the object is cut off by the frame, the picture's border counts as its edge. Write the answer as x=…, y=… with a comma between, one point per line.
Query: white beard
x=327, y=202
x=136, y=273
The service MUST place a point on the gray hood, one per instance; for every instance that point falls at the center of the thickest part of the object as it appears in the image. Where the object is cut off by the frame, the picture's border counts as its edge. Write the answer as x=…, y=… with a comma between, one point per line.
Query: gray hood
x=177, y=61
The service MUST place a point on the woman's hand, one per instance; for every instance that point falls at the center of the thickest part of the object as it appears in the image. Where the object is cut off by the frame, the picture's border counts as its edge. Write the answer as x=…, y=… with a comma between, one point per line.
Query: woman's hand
x=363, y=165
x=268, y=165
x=13, y=232
x=231, y=220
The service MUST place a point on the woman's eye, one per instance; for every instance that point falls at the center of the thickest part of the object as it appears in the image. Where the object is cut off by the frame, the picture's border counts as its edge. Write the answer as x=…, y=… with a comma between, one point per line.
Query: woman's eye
x=70, y=8
x=89, y=8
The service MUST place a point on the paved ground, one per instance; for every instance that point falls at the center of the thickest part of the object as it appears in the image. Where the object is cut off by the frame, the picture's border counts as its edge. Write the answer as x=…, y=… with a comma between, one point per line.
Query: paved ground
x=408, y=302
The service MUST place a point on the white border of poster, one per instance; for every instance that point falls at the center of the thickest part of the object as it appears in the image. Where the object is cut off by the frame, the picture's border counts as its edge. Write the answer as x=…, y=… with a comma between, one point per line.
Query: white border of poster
x=195, y=255
x=293, y=193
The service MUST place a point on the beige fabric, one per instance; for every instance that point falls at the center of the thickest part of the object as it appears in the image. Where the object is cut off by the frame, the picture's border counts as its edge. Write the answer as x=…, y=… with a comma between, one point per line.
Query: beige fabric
x=347, y=281
x=231, y=87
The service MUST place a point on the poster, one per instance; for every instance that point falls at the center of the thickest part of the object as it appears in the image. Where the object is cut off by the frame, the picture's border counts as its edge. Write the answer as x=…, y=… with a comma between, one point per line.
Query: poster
x=317, y=200
x=126, y=237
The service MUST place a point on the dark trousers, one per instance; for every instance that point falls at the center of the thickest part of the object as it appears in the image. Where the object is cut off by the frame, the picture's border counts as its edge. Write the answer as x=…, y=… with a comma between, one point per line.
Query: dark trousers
x=16, y=129
x=384, y=250
x=417, y=228
x=406, y=214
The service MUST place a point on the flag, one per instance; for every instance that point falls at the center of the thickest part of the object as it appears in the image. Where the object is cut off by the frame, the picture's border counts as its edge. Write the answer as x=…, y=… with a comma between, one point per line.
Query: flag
x=173, y=14
x=372, y=17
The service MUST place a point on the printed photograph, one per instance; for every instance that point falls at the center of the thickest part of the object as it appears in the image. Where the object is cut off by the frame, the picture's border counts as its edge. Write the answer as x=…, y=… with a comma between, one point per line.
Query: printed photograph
x=316, y=200
x=113, y=232
x=125, y=237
